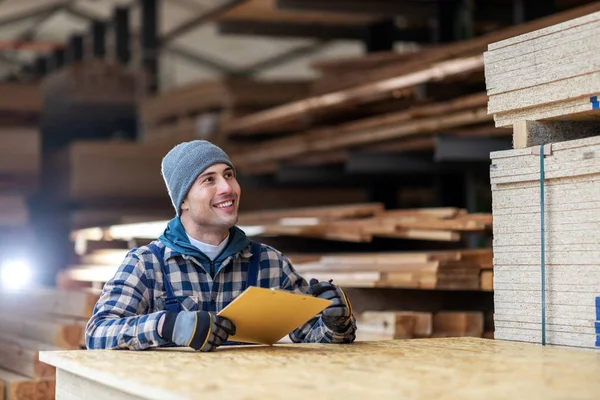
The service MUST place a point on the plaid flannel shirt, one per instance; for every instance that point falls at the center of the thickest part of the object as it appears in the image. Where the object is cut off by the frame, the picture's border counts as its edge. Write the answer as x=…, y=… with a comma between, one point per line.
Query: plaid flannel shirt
x=126, y=315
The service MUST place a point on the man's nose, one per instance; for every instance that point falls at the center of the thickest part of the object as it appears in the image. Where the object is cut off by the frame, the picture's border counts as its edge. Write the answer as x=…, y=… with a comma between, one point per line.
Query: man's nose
x=224, y=186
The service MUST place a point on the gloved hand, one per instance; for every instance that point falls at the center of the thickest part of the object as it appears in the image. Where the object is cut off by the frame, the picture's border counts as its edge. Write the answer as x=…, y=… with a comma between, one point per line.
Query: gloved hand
x=337, y=316
x=200, y=330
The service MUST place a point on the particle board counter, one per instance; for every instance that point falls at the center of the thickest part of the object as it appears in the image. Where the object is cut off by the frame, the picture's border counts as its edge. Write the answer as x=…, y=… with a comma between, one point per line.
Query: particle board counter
x=446, y=368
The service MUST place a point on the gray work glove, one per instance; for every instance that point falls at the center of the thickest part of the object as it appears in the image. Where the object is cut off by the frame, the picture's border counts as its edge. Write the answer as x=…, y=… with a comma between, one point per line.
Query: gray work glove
x=337, y=316
x=200, y=330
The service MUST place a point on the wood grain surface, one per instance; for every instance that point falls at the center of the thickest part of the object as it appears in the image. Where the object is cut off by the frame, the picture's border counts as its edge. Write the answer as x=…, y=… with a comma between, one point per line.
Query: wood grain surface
x=449, y=368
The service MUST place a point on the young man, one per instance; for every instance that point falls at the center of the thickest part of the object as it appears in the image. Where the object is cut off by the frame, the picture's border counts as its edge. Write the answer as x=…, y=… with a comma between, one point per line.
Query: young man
x=169, y=292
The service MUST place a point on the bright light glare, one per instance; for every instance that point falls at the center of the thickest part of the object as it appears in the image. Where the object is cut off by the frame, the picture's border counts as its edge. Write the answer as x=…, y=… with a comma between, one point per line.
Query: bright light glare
x=15, y=274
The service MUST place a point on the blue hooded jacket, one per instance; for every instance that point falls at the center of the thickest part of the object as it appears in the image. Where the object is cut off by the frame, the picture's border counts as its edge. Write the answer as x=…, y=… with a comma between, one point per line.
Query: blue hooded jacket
x=175, y=237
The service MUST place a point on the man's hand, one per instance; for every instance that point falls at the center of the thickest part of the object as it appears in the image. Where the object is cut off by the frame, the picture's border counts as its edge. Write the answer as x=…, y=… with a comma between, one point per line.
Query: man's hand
x=337, y=315
x=200, y=330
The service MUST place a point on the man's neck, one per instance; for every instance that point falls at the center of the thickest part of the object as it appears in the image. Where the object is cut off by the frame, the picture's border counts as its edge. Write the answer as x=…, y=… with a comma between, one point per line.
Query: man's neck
x=205, y=235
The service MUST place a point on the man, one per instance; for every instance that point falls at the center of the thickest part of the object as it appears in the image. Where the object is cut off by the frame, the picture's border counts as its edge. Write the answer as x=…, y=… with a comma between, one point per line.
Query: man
x=170, y=291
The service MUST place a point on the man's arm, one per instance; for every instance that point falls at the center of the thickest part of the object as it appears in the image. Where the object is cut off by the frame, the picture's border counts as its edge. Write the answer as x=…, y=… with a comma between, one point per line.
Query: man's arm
x=120, y=319
x=314, y=330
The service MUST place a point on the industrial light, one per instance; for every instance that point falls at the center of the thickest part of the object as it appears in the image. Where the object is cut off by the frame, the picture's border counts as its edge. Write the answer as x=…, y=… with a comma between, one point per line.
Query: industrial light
x=15, y=274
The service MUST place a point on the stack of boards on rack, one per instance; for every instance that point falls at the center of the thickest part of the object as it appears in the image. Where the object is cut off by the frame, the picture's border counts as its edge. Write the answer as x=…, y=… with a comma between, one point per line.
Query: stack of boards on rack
x=546, y=206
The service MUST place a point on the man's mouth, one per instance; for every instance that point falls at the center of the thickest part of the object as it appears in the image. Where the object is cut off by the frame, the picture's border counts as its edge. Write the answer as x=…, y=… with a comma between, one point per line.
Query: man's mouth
x=224, y=204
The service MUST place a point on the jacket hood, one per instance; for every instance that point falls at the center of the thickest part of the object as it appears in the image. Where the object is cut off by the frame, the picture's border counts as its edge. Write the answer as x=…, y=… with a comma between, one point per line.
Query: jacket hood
x=175, y=237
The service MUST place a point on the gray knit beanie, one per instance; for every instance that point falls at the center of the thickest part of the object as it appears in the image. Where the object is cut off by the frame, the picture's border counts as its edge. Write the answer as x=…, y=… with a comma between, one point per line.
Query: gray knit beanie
x=182, y=165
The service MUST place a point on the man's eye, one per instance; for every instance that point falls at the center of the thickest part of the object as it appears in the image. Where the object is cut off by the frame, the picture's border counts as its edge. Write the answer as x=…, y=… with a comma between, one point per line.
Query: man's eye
x=209, y=179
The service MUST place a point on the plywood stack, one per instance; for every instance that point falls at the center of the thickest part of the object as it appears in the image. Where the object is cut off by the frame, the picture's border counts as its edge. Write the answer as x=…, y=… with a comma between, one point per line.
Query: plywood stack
x=198, y=110
x=545, y=193
x=546, y=83
x=34, y=320
x=572, y=274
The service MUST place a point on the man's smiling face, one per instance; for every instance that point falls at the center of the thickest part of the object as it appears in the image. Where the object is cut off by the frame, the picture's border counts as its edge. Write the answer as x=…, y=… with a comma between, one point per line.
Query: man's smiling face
x=213, y=200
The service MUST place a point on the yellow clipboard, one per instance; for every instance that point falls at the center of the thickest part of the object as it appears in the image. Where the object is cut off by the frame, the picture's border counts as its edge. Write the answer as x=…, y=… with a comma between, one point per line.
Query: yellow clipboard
x=263, y=316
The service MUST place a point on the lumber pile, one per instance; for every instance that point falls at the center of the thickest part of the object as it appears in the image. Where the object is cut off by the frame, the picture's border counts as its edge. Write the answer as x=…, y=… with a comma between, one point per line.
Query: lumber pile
x=548, y=74
x=380, y=103
x=440, y=270
x=198, y=110
x=436, y=224
x=392, y=325
x=570, y=288
x=99, y=250
x=34, y=320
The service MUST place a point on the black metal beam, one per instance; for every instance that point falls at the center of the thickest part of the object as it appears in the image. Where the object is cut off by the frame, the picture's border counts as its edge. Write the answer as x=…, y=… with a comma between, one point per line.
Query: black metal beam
x=314, y=31
x=385, y=8
x=380, y=36
x=149, y=42
x=360, y=162
x=448, y=21
x=98, y=39
x=312, y=175
x=199, y=20
x=121, y=35
x=466, y=149
x=40, y=66
x=58, y=59
x=204, y=61
x=290, y=29
x=527, y=10
x=75, y=49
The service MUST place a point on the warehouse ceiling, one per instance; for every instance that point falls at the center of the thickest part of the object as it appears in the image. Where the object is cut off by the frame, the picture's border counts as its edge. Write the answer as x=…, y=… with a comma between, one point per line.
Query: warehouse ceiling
x=262, y=38
x=195, y=45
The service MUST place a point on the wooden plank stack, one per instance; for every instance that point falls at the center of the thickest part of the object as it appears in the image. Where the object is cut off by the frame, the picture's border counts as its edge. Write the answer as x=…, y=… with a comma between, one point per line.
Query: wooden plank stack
x=571, y=227
x=34, y=320
x=547, y=79
x=391, y=325
x=101, y=249
x=441, y=270
x=198, y=110
x=435, y=224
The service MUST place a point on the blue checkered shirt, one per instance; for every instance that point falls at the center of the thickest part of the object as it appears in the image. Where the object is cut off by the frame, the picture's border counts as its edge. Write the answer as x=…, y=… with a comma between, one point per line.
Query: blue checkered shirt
x=131, y=304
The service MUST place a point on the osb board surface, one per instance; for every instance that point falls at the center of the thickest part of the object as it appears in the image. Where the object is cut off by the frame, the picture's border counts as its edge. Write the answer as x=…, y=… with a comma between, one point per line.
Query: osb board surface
x=460, y=367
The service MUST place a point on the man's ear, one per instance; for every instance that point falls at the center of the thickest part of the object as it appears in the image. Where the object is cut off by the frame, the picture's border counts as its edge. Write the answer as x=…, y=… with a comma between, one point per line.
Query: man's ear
x=185, y=205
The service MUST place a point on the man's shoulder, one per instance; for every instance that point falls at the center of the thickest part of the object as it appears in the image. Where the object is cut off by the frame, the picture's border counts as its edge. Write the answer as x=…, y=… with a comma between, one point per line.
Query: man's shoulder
x=148, y=252
x=271, y=252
